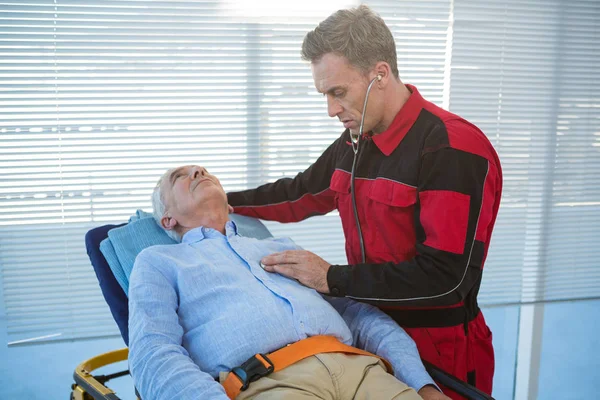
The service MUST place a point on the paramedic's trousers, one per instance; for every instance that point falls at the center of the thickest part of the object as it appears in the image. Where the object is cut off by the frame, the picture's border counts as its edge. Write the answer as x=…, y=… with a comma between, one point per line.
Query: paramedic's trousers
x=332, y=376
x=465, y=353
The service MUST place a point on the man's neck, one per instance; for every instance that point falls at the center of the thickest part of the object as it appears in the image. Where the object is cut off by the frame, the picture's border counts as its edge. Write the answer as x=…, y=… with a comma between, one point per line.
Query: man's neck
x=397, y=95
x=210, y=217
x=216, y=222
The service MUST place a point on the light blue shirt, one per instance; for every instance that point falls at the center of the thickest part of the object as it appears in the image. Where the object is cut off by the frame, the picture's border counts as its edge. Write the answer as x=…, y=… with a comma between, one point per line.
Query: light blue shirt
x=205, y=305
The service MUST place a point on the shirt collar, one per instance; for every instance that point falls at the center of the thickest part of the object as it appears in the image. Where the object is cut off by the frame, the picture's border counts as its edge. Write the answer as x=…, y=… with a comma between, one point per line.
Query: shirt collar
x=388, y=140
x=201, y=233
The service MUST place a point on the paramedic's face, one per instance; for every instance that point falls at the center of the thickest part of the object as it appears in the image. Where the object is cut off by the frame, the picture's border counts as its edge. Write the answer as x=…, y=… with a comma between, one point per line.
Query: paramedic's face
x=188, y=188
x=345, y=87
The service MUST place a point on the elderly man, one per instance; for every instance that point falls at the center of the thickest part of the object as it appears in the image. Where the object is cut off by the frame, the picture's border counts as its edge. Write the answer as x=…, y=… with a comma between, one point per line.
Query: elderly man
x=205, y=306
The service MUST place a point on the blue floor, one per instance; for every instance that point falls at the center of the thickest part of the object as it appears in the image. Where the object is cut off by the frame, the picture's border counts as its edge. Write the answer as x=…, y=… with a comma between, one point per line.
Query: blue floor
x=570, y=364
x=503, y=321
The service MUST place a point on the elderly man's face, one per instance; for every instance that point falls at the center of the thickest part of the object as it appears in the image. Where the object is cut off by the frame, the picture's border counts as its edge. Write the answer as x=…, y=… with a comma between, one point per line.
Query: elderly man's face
x=188, y=189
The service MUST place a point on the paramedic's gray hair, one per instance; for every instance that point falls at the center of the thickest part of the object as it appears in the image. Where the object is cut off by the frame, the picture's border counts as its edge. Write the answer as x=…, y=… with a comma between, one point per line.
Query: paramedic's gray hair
x=159, y=208
x=358, y=34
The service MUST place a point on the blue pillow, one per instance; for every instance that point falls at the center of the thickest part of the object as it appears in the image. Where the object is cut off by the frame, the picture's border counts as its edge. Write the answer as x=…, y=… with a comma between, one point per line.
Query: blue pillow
x=123, y=244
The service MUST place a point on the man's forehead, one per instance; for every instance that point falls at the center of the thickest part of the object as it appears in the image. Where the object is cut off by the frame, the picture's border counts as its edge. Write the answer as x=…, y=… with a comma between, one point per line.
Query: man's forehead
x=170, y=174
x=173, y=172
x=333, y=72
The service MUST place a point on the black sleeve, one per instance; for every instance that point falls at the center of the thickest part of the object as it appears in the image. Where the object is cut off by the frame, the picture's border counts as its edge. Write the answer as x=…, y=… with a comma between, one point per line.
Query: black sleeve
x=293, y=199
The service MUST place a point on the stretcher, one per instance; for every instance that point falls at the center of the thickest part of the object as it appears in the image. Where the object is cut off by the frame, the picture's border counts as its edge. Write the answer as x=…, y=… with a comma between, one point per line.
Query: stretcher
x=89, y=386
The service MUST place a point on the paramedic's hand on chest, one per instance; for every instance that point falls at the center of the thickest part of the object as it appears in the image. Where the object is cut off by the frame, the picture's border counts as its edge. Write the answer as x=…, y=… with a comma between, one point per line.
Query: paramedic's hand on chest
x=307, y=268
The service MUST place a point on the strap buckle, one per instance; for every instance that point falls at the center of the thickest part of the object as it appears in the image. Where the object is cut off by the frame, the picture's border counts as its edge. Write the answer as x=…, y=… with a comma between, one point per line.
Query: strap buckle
x=253, y=369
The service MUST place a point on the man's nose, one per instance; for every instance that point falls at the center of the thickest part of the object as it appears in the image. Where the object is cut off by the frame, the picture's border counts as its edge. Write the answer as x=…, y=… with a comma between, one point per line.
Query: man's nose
x=333, y=107
x=197, y=172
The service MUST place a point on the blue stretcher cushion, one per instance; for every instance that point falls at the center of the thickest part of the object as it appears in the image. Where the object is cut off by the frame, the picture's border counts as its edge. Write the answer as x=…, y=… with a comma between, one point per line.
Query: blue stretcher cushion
x=124, y=244
x=111, y=290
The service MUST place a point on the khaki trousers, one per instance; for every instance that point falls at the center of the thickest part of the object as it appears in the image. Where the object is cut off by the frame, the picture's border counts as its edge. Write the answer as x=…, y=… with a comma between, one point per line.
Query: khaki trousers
x=330, y=376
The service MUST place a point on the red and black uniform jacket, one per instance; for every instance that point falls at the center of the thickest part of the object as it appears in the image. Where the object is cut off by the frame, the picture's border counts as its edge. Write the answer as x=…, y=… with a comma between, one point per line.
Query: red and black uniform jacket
x=427, y=194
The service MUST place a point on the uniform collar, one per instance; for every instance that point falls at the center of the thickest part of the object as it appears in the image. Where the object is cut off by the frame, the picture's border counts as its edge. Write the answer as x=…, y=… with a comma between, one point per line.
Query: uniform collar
x=201, y=233
x=388, y=140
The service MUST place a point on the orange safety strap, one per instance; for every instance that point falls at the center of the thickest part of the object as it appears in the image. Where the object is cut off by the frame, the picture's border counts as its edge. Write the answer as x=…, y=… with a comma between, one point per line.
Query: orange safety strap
x=291, y=354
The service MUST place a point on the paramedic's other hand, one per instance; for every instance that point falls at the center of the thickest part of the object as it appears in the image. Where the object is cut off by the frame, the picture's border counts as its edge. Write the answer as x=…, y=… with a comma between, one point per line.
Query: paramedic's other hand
x=429, y=392
x=307, y=268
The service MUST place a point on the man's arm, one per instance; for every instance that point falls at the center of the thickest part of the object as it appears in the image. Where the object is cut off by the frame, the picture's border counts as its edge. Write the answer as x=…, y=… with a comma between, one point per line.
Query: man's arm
x=458, y=195
x=292, y=200
x=160, y=366
x=458, y=199
x=373, y=331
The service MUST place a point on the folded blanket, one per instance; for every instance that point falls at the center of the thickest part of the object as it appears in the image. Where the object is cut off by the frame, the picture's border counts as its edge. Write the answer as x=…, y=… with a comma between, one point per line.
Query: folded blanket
x=124, y=244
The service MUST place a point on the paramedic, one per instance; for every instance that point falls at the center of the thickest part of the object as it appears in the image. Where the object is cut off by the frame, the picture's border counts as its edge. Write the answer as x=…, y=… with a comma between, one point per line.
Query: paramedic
x=427, y=191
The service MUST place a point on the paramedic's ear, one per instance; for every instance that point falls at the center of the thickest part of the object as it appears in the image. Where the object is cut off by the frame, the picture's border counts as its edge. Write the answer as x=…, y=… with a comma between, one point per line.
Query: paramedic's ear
x=230, y=209
x=384, y=73
x=168, y=223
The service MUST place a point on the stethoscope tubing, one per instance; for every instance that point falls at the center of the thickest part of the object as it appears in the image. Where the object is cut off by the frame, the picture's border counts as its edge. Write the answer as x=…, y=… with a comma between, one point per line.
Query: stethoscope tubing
x=355, y=142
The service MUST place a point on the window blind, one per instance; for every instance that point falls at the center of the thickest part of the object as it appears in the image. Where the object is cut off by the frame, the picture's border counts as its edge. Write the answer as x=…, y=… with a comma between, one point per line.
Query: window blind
x=526, y=72
x=572, y=251
x=99, y=98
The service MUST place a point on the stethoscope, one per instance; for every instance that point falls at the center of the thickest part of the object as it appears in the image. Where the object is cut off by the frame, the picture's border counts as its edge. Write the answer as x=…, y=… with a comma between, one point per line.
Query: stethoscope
x=355, y=141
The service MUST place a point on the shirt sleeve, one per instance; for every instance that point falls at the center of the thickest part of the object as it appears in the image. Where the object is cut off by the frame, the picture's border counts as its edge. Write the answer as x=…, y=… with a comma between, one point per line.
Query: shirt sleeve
x=458, y=196
x=375, y=332
x=160, y=366
x=293, y=199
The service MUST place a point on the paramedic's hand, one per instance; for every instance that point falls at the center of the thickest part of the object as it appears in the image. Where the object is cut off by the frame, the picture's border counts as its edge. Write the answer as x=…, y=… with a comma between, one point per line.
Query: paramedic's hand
x=306, y=267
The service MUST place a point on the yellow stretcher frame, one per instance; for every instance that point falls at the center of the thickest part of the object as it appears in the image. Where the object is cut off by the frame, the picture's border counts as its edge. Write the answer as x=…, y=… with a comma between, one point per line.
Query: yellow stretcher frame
x=88, y=386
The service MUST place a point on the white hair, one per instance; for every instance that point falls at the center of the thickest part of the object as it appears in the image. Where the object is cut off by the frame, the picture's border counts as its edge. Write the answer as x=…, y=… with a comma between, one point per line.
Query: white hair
x=159, y=208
